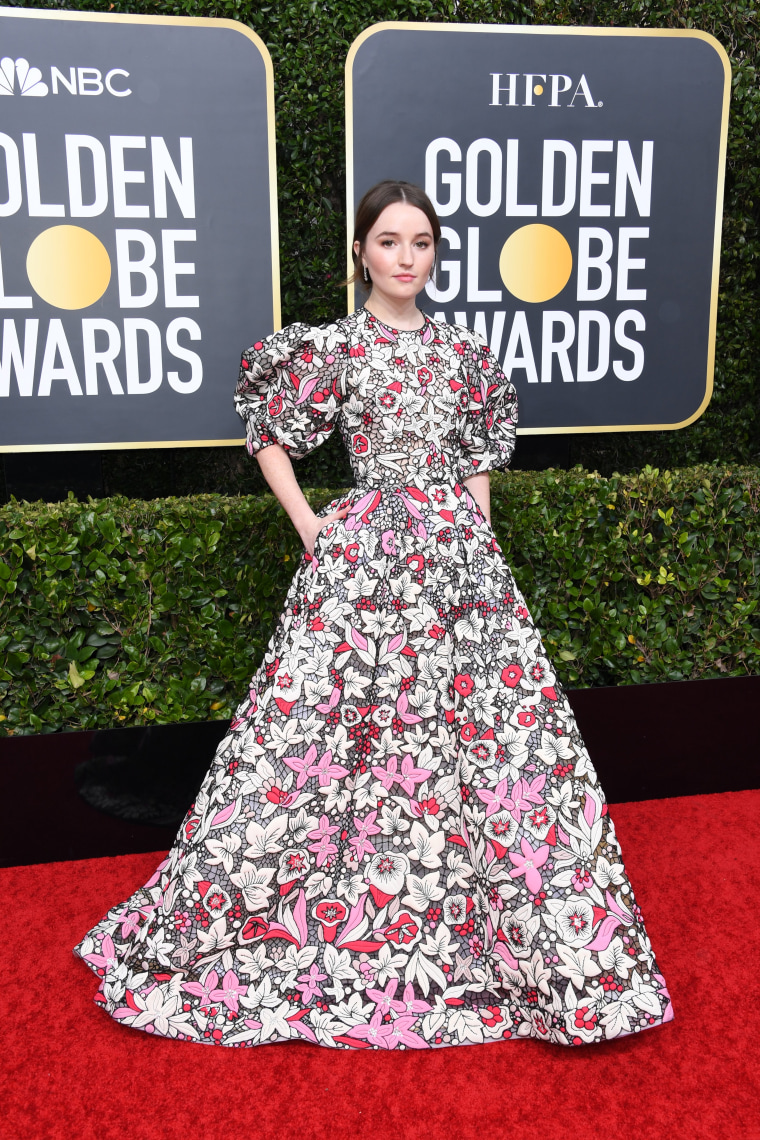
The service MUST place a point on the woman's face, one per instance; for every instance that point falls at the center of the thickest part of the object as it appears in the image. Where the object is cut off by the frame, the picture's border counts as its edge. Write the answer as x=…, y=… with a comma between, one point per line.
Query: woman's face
x=399, y=252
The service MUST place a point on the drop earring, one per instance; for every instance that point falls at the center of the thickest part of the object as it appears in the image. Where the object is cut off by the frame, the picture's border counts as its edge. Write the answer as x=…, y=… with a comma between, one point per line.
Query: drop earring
x=366, y=276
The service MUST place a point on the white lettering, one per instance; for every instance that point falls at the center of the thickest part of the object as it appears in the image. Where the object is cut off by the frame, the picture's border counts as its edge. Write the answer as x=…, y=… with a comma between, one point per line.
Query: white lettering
x=474, y=292
x=519, y=349
x=514, y=209
x=11, y=302
x=164, y=170
x=452, y=268
x=94, y=357
x=453, y=181
x=37, y=208
x=587, y=318
x=529, y=88
x=626, y=175
x=173, y=268
x=12, y=357
x=635, y=318
x=591, y=177
x=74, y=145
x=474, y=151
x=557, y=90
x=142, y=267
x=626, y=263
x=90, y=82
x=136, y=386
x=550, y=208
x=57, y=345
x=178, y=325
x=497, y=89
x=600, y=263
x=121, y=176
x=558, y=348
x=13, y=177
x=57, y=77
x=115, y=90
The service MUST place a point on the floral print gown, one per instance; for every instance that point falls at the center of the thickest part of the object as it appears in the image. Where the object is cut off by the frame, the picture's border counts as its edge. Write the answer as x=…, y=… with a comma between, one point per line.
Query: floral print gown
x=401, y=842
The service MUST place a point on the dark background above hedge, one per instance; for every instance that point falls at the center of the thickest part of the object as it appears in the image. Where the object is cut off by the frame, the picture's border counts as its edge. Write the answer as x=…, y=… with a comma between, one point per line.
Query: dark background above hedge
x=308, y=42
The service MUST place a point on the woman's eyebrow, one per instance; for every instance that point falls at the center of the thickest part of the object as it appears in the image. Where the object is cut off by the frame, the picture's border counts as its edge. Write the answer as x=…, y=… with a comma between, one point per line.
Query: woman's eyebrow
x=392, y=233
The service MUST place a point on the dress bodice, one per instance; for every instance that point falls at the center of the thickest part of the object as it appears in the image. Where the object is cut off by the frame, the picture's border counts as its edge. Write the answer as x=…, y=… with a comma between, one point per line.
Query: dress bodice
x=430, y=403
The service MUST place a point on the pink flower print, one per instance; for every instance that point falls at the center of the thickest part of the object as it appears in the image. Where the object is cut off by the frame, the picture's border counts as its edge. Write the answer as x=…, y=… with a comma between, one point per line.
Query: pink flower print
x=412, y=1004
x=309, y=766
x=387, y=775
x=203, y=990
x=411, y=775
x=106, y=960
x=326, y=770
x=388, y=542
x=361, y=842
x=322, y=845
x=528, y=863
x=384, y=999
x=498, y=799
x=130, y=922
x=301, y=764
x=581, y=879
x=308, y=983
x=389, y=1035
x=229, y=991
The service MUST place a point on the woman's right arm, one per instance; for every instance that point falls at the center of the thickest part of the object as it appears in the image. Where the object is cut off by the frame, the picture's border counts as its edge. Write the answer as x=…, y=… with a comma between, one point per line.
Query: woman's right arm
x=277, y=469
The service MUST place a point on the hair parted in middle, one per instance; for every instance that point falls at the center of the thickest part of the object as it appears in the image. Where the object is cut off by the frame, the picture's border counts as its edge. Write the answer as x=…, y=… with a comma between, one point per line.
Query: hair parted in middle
x=371, y=206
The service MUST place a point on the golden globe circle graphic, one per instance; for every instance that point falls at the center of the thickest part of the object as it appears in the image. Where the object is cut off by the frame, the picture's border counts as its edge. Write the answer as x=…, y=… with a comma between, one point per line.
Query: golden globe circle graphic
x=68, y=267
x=535, y=263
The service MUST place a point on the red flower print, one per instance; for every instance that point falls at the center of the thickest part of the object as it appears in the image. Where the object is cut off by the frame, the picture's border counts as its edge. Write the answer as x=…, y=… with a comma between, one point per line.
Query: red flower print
x=330, y=913
x=352, y=551
x=464, y=684
x=468, y=732
x=275, y=406
x=491, y=1015
x=255, y=928
x=511, y=675
x=402, y=931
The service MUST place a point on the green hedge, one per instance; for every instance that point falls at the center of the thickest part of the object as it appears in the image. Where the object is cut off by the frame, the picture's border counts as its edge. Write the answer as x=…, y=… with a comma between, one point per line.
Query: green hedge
x=308, y=41
x=116, y=611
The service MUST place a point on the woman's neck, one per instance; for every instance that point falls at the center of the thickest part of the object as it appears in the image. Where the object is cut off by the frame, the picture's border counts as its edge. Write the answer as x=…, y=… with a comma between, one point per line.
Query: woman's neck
x=405, y=316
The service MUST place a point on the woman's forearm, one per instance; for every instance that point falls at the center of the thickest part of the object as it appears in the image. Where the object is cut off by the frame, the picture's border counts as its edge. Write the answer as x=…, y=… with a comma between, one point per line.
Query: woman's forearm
x=479, y=487
x=277, y=469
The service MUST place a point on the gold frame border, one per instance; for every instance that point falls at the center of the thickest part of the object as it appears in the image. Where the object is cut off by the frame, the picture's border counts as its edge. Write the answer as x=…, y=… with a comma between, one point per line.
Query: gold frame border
x=546, y=29
x=177, y=21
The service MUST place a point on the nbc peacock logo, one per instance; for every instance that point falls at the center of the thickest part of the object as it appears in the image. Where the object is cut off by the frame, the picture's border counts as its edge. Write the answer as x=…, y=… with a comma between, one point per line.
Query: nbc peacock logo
x=18, y=76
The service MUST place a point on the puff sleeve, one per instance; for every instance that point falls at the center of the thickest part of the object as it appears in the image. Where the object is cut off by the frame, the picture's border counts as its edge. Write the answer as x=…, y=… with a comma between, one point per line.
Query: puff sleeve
x=289, y=389
x=488, y=436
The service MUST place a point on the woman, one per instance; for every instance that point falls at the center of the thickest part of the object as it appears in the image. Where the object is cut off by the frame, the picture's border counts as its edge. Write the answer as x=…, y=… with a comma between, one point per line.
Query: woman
x=401, y=842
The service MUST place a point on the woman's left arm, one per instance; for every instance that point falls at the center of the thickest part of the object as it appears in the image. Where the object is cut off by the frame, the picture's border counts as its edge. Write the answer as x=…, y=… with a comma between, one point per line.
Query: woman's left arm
x=479, y=486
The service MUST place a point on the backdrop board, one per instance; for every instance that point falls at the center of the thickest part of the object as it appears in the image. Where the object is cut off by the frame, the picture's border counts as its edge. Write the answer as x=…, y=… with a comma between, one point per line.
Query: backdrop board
x=578, y=175
x=138, y=227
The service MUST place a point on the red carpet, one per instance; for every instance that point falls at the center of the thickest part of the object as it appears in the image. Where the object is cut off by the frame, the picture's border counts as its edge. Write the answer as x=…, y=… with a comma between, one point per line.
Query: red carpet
x=71, y=1072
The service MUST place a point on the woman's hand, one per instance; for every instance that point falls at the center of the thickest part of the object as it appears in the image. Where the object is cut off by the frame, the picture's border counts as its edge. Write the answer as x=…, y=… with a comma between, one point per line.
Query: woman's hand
x=314, y=525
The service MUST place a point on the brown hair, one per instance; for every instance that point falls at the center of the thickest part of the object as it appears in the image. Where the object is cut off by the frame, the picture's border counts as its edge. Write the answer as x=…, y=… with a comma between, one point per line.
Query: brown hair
x=386, y=193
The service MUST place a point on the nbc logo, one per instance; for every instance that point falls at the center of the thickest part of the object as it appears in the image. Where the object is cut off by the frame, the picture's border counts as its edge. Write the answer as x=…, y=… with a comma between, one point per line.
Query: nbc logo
x=29, y=78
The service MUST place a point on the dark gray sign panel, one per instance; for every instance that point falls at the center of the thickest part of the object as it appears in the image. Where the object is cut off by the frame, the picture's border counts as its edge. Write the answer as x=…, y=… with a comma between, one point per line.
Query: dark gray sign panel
x=138, y=227
x=578, y=175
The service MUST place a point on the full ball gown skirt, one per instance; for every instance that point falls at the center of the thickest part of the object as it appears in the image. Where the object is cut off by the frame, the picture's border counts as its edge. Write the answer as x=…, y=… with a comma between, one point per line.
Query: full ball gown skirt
x=401, y=842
